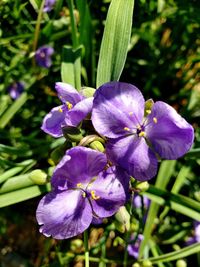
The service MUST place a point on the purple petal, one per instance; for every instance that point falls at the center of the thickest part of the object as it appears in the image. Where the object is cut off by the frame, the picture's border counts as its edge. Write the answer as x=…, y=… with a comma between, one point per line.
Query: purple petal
x=117, y=106
x=111, y=190
x=79, y=165
x=64, y=215
x=171, y=136
x=133, y=249
x=68, y=93
x=134, y=155
x=79, y=112
x=43, y=56
x=52, y=122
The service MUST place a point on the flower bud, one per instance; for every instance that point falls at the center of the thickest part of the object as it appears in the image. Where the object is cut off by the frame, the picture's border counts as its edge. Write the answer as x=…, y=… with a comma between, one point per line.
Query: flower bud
x=136, y=264
x=72, y=133
x=142, y=186
x=123, y=219
x=88, y=91
x=38, y=177
x=147, y=263
x=97, y=146
x=181, y=263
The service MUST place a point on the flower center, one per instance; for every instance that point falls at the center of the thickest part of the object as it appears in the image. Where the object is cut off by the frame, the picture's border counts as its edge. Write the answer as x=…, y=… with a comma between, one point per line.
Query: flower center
x=141, y=131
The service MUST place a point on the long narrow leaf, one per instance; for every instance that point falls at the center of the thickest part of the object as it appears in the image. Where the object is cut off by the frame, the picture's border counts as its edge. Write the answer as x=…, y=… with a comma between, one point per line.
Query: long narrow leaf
x=115, y=41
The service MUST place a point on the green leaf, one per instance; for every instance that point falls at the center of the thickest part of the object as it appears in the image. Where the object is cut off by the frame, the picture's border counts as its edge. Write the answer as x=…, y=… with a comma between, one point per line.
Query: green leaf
x=193, y=153
x=175, y=255
x=177, y=202
x=165, y=172
x=116, y=38
x=71, y=66
x=22, y=195
x=10, y=112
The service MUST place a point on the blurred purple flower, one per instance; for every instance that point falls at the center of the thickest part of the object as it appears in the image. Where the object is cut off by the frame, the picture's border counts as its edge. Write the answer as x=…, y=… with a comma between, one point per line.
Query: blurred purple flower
x=43, y=56
x=75, y=107
x=15, y=89
x=118, y=113
x=137, y=201
x=196, y=237
x=82, y=190
x=133, y=249
x=48, y=5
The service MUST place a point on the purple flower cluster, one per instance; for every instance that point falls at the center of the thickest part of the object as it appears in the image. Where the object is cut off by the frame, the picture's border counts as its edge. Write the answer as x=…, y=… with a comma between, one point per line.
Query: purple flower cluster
x=48, y=5
x=88, y=185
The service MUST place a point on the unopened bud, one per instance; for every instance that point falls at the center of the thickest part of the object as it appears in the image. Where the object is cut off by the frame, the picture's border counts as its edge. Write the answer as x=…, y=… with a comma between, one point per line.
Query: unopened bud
x=136, y=264
x=181, y=263
x=76, y=244
x=38, y=177
x=123, y=219
x=142, y=186
x=88, y=91
x=147, y=263
x=97, y=146
x=72, y=133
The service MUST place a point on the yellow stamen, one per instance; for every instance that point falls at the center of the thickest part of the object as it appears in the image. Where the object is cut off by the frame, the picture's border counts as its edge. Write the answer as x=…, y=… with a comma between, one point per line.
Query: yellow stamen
x=126, y=129
x=131, y=113
x=148, y=111
x=93, y=195
x=155, y=120
x=60, y=110
x=84, y=194
x=142, y=134
x=79, y=185
x=69, y=105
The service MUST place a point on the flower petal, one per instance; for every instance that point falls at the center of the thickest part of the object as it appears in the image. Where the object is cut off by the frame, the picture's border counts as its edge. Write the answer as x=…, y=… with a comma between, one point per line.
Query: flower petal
x=171, y=136
x=111, y=189
x=64, y=215
x=117, y=106
x=79, y=165
x=52, y=122
x=134, y=155
x=79, y=112
x=68, y=93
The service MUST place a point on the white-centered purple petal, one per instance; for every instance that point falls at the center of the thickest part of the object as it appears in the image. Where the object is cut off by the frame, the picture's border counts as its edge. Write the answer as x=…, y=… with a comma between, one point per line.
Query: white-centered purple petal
x=133, y=154
x=53, y=121
x=171, y=136
x=111, y=188
x=64, y=215
x=117, y=106
x=79, y=165
x=67, y=93
x=79, y=112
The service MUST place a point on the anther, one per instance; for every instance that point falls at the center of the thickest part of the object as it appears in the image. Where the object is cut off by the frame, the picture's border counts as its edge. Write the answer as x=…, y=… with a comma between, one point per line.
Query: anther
x=155, y=120
x=130, y=113
x=148, y=111
x=60, y=110
x=126, y=129
x=93, y=195
x=84, y=194
x=79, y=185
x=142, y=134
x=69, y=105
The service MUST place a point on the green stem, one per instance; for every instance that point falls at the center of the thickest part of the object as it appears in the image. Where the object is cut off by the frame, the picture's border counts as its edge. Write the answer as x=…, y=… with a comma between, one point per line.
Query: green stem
x=87, y=260
x=73, y=24
x=37, y=28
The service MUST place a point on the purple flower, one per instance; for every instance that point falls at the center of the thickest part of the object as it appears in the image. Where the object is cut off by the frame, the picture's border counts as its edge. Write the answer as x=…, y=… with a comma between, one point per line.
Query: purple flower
x=134, y=140
x=196, y=237
x=137, y=201
x=73, y=110
x=82, y=189
x=133, y=249
x=48, y=5
x=43, y=56
x=15, y=89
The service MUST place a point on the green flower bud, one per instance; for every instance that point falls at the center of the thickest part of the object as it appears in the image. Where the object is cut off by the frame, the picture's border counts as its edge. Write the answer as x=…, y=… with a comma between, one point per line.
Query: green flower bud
x=72, y=133
x=181, y=263
x=148, y=106
x=88, y=91
x=142, y=186
x=97, y=146
x=38, y=177
x=146, y=263
x=136, y=264
x=123, y=219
